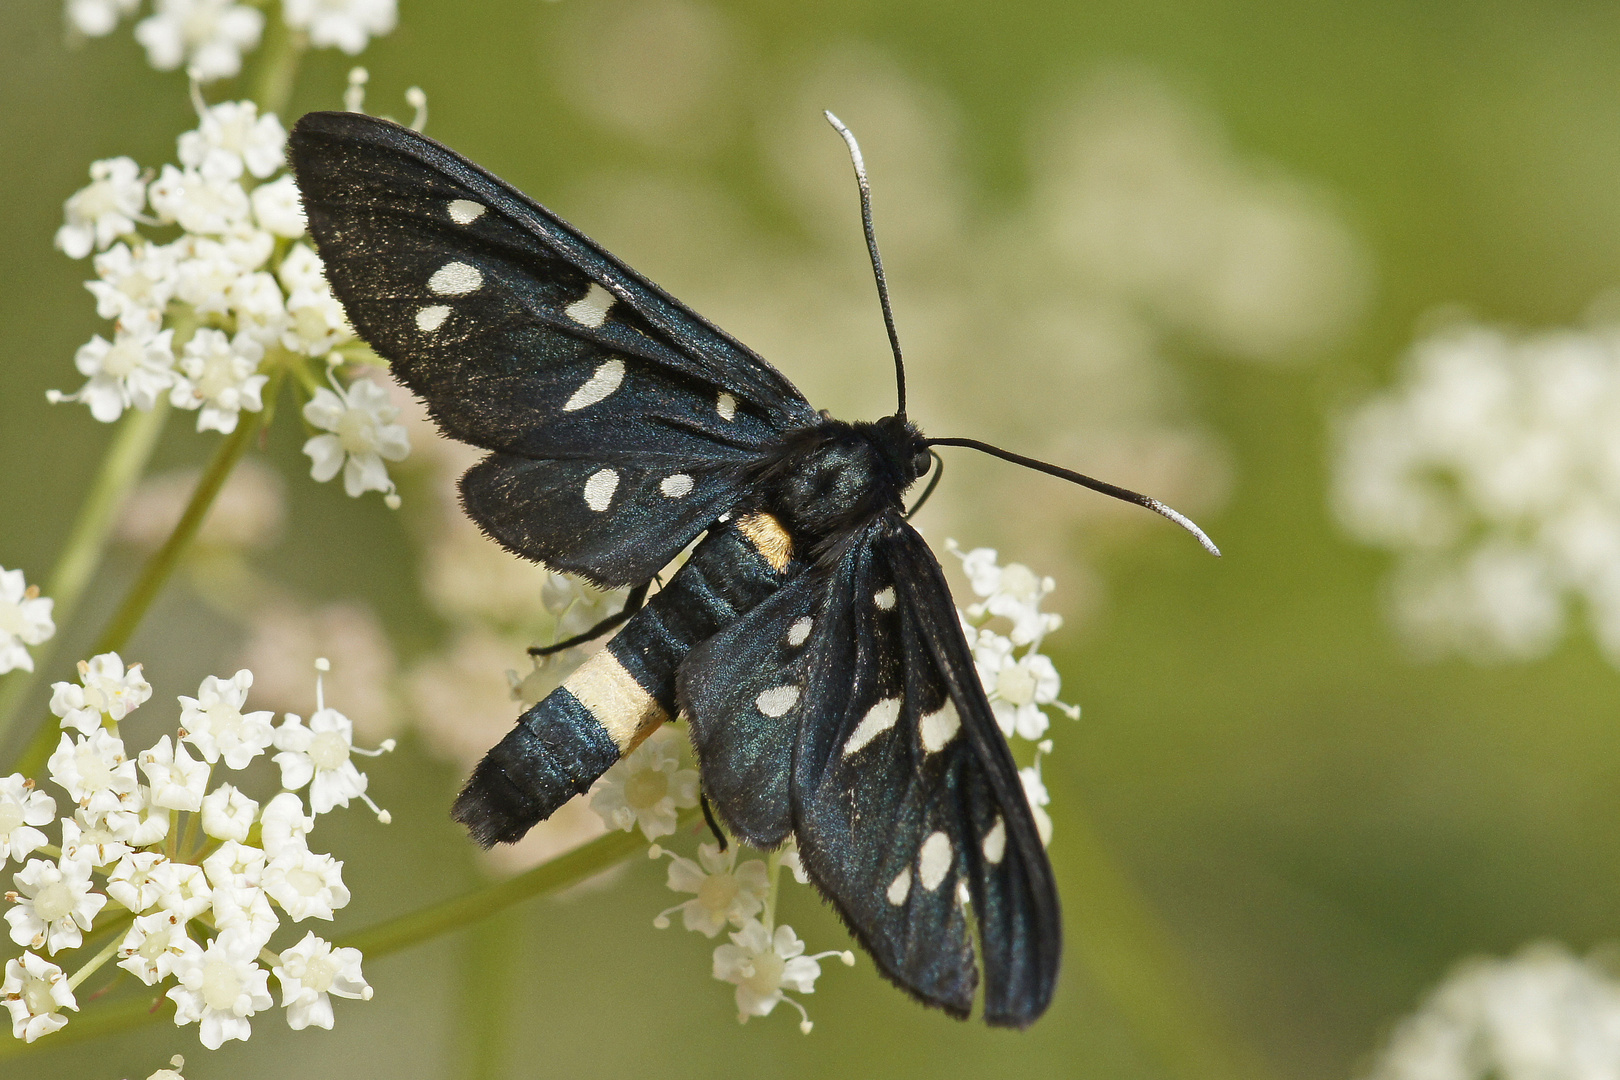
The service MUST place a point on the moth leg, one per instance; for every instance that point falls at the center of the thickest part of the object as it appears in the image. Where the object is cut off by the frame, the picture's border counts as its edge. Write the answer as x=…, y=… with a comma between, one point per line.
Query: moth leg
x=632, y=604
x=714, y=826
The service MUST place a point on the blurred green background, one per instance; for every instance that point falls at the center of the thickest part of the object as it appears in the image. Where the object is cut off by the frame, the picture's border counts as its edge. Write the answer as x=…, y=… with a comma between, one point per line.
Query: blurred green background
x=1320, y=826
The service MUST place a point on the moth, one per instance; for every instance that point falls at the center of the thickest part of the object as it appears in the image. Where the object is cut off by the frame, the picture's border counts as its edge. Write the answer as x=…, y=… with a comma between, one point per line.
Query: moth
x=809, y=640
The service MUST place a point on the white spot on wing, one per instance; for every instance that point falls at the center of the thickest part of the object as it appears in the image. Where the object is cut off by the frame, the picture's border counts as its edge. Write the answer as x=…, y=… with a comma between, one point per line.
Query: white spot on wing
x=800, y=630
x=726, y=406
x=465, y=211
x=934, y=860
x=430, y=318
x=599, y=489
x=676, y=487
x=777, y=700
x=884, y=598
x=939, y=728
x=455, y=279
x=900, y=887
x=878, y=719
x=591, y=309
x=603, y=381
x=995, y=842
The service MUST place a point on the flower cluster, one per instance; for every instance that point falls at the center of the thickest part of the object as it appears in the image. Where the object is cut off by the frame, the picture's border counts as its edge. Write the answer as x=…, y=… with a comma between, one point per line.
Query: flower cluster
x=1541, y=1015
x=25, y=619
x=183, y=883
x=765, y=959
x=237, y=292
x=1492, y=470
x=208, y=37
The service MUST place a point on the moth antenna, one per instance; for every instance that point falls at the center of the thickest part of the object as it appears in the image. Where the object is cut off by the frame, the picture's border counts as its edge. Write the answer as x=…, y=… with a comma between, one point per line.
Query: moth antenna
x=1124, y=494
x=871, y=246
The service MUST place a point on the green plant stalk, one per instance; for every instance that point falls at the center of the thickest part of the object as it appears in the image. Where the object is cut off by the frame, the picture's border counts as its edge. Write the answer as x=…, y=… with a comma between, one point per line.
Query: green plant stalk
x=484, y=1007
x=278, y=65
x=404, y=932
x=81, y=556
x=1132, y=958
x=163, y=561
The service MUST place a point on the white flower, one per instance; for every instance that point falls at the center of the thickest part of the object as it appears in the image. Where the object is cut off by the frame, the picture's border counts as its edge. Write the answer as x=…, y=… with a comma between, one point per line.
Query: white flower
x=208, y=36
x=217, y=375
x=1035, y=792
x=301, y=268
x=227, y=814
x=209, y=270
x=763, y=964
x=152, y=822
x=309, y=973
x=305, y=884
x=316, y=324
x=319, y=755
x=22, y=811
x=96, y=844
x=221, y=986
x=1013, y=592
x=646, y=788
x=363, y=433
x=105, y=690
x=132, y=371
x=1541, y=1015
x=233, y=136
x=137, y=881
x=53, y=904
x=95, y=773
x=173, y=1073
x=344, y=24
x=725, y=891
x=97, y=18
x=1019, y=690
x=199, y=203
x=215, y=724
x=101, y=213
x=234, y=865
x=35, y=993
x=260, y=308
x=284, y=825
x=245, y=910
x=135, y=284
x=278, y=208
x=178, y=780
x=25, y=619
x=154, y=946
x=185, y=889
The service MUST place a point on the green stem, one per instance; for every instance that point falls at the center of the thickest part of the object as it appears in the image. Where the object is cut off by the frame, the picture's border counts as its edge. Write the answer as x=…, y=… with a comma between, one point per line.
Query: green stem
x=107, y=953
x=163, y=561
x=86, y=543
x=404, y=932
x=1131, y=956
x=278, y=65
x=489, y=969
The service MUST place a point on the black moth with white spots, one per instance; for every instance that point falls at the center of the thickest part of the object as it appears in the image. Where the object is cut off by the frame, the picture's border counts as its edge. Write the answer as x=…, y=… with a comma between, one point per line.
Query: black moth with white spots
x=810, y=640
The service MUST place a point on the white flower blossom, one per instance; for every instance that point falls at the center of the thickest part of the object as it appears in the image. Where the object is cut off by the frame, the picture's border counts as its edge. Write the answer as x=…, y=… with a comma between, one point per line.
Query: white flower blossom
x=278, y=208
x=185, y=889
x=320, y=755
x=35, y=992
x=1540, y=1015
x=227, y=814
x=177, y=1063
x=178, y=780
x=362, y=433
x=1017, y=686
x=306, y=885
x=53, y=904
x=199, y=203
x=234, y=865
x=1012, y=592
x=101, y=213
x=245, y=910
x=215, y=724
x=283, y=825
x=154, y=946
x=342, y=24
x=137, y=881
x=132, y=371
x=98, y=843
x=152, y=822
x=22, y=810
x=105, y=689
x=25, y=619
x=260, y=308
x=316, y=324
x=646, y=788
x=95, y=773
x=98, y=18
x=763, y=964
x=135, y=284
x=220, y=987
x=1035, y=791
x=208, y=36
x=231, y=137
x=726, y=892
x=301, y=268
x=310, y=973
x=218, y=375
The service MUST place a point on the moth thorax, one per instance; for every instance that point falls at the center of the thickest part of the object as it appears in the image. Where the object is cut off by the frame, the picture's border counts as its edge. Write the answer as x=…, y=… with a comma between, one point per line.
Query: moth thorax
x=836, y=481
